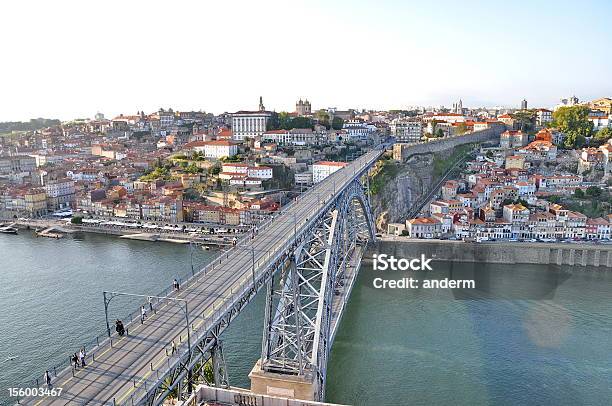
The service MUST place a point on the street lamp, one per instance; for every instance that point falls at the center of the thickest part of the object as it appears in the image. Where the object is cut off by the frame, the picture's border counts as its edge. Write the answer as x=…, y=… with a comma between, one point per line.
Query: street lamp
x=108, y=296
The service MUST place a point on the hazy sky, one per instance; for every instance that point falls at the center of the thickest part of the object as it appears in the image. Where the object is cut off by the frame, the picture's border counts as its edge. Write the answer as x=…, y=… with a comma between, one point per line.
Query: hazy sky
x=68, y=59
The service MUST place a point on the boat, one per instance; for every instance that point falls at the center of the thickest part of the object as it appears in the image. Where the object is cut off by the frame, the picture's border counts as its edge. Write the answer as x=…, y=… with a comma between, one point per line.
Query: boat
x=8, y=230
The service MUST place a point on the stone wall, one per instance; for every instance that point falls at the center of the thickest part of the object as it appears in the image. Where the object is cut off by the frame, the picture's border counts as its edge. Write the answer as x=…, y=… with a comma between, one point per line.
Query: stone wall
x=500, y=252
x=403, y=151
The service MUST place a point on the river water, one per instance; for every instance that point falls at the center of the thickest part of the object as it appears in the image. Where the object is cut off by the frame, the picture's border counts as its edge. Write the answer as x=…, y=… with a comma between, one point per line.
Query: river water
x=527, y=335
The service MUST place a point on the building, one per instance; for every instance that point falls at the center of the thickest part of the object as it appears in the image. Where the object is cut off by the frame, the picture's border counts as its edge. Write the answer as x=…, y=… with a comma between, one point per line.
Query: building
x=424, y=227
x=214, y=149
x=515, y=162
x=295, y=137
x=36, y=202
x=513, y=139
x=524, y=104
x=405, y=130
x=543, y=116
x=60, y=193
x=250, y=124
x=322, y=169
x=17, y=164
x=303, y=108
x=604, y=105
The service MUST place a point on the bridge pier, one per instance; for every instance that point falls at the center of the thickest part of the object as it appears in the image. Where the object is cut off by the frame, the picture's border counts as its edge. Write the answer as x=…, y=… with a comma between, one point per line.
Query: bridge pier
x=287, y=386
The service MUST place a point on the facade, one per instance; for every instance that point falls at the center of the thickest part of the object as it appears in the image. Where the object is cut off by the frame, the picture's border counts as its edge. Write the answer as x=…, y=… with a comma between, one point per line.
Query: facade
x=424, y=227
x=250, y=124
x=513, y=139
x=17, y=164
x=35, y=201
x=323, y=169
x=303, y=108
x=60, y=193
x=543, y=116
x=407, y=130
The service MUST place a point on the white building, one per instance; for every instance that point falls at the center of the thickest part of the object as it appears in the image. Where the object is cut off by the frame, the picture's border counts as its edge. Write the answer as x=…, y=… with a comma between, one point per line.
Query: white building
x=214, y=149
x=543, y=116
x=296, y=136
x=322, y=169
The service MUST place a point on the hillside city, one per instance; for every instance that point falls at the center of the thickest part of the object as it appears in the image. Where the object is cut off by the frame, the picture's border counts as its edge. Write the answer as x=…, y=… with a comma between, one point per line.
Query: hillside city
x=546, y=179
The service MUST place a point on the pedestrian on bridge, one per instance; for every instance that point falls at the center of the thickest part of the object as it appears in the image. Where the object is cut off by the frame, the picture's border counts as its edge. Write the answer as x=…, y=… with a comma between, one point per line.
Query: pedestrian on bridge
x=75, y=361
x=176, y=285
x=82, y=355
x=151, y=304
x=173, y=348
x=47, y=378
x=143, y=314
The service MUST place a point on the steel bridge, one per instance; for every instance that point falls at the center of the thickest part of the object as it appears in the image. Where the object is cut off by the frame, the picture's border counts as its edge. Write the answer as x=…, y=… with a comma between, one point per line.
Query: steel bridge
x=306, y=258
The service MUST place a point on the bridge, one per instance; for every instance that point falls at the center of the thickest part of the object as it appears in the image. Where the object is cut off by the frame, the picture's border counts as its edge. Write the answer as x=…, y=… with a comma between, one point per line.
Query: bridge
x=306, y=258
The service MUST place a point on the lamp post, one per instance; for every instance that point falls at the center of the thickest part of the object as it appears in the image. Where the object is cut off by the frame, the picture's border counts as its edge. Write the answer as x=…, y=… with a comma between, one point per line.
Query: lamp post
x=109, y=296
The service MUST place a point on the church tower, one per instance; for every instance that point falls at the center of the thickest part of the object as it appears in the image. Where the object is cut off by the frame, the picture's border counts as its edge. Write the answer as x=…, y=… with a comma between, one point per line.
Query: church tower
x=261, y=106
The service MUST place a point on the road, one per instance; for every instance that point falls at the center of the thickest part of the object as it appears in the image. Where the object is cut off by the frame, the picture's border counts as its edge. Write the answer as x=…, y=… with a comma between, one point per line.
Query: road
x=136, y=358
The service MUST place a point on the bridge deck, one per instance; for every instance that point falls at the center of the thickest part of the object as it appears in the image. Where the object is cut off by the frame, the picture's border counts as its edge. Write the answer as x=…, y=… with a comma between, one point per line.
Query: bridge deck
x=136, y=358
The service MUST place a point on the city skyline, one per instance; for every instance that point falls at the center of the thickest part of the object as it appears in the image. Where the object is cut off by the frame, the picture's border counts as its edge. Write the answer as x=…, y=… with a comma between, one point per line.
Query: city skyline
x=75, y=59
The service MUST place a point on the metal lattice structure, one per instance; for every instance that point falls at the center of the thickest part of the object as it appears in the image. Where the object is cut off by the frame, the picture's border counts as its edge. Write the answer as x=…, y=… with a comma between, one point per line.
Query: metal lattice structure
x=298, y=312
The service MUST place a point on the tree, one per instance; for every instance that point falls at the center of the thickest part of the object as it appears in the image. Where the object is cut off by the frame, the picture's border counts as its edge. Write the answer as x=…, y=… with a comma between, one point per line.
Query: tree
x=337, y=123
x=76, y=220
x=578, y=193
x=602, y=136
x=525, y=119
x=439, y=133
x=461, y=129
x=593, y=191
x=574, y=122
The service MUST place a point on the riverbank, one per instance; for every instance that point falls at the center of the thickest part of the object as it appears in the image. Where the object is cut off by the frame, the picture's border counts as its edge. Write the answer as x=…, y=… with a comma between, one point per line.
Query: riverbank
x=177, y=237
x=500, y=252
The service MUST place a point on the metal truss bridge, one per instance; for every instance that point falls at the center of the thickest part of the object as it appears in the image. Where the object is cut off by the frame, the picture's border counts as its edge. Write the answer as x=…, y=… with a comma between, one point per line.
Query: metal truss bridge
x=306, y=258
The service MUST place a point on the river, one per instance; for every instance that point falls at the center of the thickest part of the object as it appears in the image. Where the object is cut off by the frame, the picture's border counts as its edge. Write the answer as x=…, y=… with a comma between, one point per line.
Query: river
x=526, y=335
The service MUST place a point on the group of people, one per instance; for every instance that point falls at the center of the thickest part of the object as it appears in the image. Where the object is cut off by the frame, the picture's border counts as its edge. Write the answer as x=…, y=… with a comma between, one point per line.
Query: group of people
x=78, y=359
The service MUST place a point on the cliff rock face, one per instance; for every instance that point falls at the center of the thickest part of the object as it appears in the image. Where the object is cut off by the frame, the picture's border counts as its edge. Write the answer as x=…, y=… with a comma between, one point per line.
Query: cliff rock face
x=392, y=203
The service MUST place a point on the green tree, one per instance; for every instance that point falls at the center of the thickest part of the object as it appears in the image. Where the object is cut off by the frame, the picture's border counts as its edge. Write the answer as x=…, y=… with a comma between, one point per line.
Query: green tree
x=574, y=122
x=525, y=119
x=593, y=191
x=76, y=220
x=337, y=123
x=439, y=133
x=578, y=193
x=602, y=136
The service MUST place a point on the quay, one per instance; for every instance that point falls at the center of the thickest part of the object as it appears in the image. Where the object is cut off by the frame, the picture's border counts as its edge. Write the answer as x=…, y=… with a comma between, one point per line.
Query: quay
x=581, y=254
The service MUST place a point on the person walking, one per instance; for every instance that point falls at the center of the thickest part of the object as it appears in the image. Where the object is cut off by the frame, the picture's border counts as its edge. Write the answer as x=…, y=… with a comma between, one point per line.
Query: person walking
x=234, y=241
x=151, y=304
x=47, y=379
x=82, y=357
x=173, y=348
x=75, y=361
x=143, y=314
x=176, y=284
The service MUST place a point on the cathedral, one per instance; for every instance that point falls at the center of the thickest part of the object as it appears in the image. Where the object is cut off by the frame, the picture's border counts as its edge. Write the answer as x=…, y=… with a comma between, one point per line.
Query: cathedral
x=302, y=108
x=458, y=107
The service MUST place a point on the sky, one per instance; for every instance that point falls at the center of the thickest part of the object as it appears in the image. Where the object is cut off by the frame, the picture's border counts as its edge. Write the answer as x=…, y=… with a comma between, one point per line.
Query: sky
x=70, y=59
